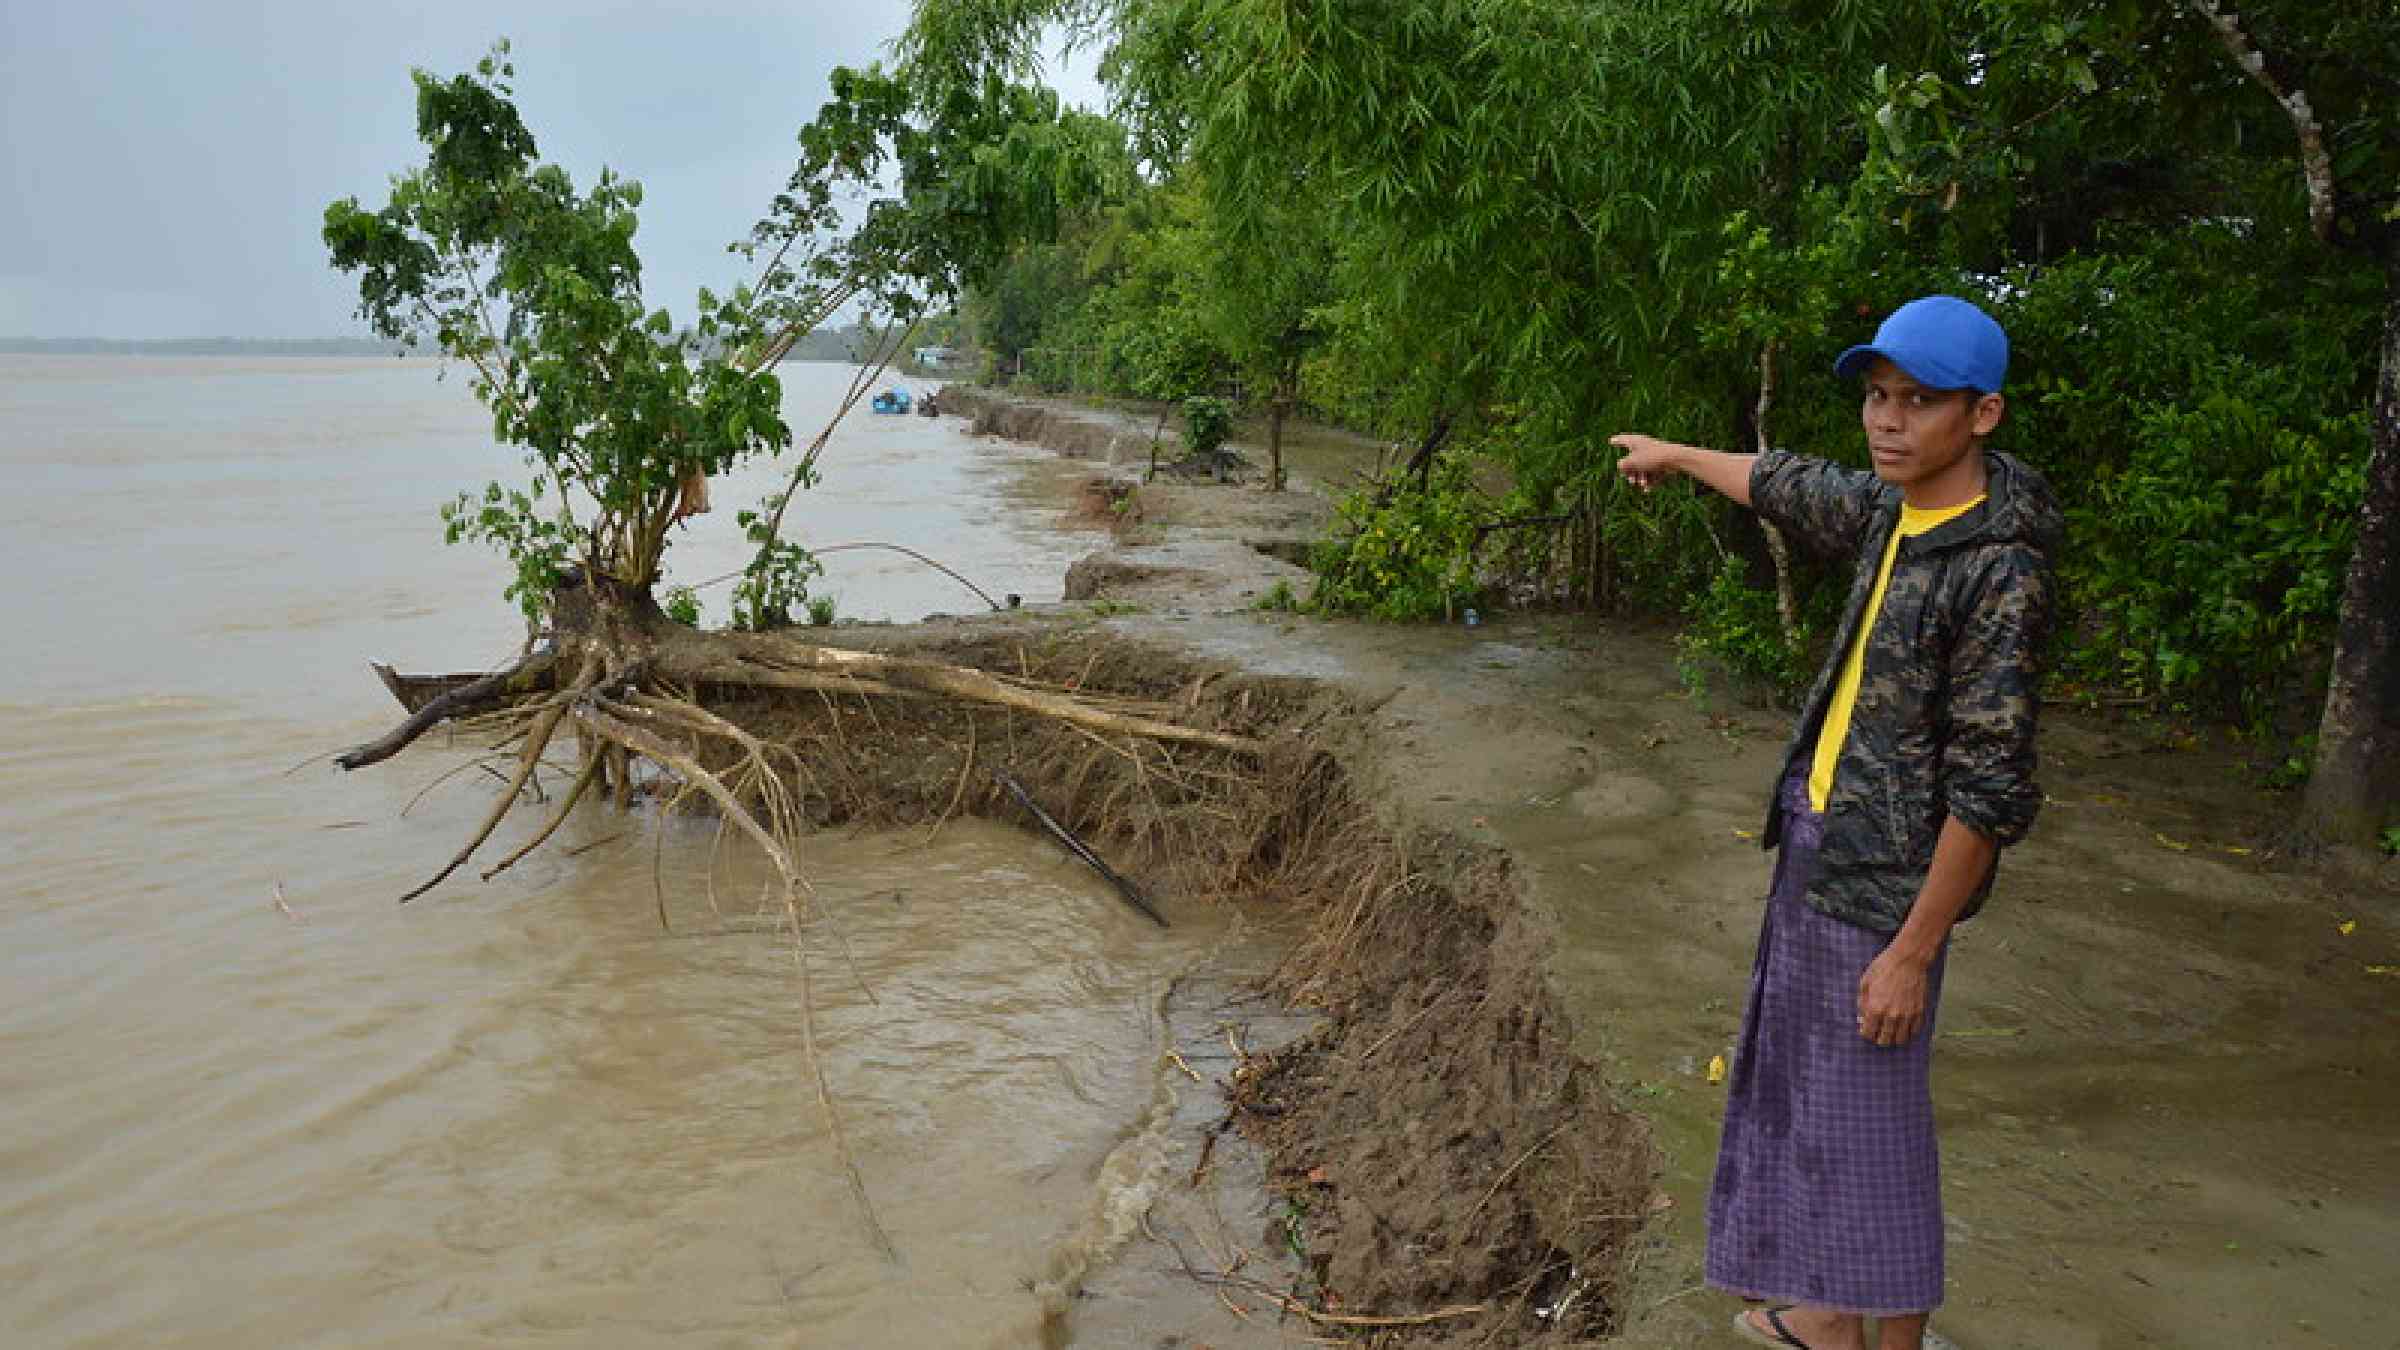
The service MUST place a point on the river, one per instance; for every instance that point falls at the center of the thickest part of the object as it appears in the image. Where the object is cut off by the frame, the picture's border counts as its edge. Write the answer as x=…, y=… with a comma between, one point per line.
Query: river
x=245, y=1099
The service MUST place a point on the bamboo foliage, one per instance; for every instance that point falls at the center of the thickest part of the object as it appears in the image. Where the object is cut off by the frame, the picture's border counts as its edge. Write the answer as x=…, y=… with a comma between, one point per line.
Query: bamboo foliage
x=1553, y=221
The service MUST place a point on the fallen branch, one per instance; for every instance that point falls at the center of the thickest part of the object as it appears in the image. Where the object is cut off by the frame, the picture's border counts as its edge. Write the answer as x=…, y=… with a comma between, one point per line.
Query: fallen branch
x=1133, y=895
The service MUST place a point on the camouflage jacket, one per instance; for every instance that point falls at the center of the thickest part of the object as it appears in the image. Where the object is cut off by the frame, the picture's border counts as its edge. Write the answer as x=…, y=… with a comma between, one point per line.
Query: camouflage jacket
x=1950, y=690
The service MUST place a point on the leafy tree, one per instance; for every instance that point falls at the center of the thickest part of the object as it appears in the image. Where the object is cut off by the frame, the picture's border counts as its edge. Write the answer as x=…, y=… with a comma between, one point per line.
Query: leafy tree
x=1206, y=423
x=499, y=260
x=2330, y=69
x=1157, y=305
x=2280, y=122
x=982, y=166
x=1265, y=275
x=1409, y=555
x=1021, y=302
x=507, y=266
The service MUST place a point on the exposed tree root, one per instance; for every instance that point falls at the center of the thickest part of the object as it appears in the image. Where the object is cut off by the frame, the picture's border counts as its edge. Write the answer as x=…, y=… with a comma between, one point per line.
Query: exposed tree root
x=566, y=804
x=803, y=666
x=545, y=722
x=686, y=768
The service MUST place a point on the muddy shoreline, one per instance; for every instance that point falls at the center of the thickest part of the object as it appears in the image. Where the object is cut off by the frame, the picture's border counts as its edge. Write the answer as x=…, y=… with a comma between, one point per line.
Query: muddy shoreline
x=2169, y=1057
x=1425, y=1156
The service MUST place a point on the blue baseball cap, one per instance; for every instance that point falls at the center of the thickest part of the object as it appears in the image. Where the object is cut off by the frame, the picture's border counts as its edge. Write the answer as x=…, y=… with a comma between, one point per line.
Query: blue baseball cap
x=1943, y=342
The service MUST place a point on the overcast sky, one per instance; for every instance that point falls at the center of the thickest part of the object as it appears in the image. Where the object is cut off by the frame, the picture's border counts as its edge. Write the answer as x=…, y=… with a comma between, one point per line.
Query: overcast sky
x=168, y=164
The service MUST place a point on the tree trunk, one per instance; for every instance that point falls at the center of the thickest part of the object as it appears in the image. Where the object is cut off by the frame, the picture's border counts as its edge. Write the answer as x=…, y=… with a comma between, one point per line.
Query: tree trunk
x=1420, y=463
x=1787, y=605
x=1277, y=407
x=2354, y=791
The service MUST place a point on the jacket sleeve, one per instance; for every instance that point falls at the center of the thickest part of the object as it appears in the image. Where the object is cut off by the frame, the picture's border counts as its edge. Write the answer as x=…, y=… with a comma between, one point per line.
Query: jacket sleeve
x=1826, y=506
x=1994, y=704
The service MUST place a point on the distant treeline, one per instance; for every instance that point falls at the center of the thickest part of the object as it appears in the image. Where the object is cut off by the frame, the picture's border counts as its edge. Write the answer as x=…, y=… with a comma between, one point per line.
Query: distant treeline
x=829, y=344
x=212, y=346
x=824, y=344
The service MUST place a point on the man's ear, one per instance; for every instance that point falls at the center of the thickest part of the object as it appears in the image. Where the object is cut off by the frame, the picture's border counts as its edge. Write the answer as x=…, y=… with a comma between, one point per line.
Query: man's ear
x=1989, y=410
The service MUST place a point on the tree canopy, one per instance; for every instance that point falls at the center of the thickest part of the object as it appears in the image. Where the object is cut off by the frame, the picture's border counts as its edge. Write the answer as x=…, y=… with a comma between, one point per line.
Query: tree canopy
x=503, y=263
x=1501, y=230
x=1541, y=223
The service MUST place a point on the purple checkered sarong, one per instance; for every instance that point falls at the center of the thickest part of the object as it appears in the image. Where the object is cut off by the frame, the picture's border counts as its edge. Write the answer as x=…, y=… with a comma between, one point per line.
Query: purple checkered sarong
x=1828, y=1188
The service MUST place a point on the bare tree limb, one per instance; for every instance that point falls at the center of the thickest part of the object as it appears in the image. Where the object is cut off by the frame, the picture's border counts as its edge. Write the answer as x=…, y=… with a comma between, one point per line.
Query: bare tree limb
x=2316, y=162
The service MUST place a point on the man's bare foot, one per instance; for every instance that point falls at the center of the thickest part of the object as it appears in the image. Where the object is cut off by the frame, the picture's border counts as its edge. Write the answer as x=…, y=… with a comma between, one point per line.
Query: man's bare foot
x=1802, y=1328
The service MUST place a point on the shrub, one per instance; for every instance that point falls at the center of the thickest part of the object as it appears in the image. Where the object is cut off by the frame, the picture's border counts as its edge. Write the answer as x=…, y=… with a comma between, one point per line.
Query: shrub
x=1207, y=421
x=2193, y=398
x=1735, y=627
x=1409, y=556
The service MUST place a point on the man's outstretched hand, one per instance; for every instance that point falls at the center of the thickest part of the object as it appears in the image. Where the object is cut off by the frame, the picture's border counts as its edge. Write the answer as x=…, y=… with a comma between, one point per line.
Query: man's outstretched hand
x=1647, y=460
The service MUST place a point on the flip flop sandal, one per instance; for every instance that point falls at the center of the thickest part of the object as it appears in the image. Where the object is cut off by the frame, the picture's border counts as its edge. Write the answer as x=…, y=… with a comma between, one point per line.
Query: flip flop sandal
x=1783, y=1337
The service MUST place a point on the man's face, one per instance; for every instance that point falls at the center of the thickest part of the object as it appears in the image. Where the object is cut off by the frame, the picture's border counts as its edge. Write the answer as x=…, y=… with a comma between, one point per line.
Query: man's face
x=1922, y=440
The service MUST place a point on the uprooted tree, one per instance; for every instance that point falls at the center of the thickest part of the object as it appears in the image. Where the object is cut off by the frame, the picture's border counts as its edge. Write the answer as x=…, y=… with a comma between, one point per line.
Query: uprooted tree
x=503, y=264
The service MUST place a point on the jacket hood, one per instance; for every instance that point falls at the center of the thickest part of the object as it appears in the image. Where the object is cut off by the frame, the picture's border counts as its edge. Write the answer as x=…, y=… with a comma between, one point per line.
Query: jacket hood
x=2025, y=508
x=2019, y=508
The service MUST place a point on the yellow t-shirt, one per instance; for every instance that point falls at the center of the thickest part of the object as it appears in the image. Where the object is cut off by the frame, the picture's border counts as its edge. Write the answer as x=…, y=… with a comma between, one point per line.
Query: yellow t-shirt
x=1836, y=730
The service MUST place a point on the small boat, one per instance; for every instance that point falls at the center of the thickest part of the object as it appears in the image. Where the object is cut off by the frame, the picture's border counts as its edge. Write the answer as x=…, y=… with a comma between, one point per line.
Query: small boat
x=890, y=401
x=415, y=691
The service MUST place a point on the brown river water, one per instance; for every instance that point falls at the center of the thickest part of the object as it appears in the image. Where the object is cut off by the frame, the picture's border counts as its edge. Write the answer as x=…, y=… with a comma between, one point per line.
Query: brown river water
x=247, y=1100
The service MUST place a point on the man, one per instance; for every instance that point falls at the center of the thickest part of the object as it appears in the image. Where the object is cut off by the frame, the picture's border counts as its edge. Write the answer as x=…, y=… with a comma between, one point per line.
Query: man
x=1911, y=767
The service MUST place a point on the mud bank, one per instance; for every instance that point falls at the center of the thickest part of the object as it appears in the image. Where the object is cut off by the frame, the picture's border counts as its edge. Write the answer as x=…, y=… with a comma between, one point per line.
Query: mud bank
x=2168, y=1058
x=1176, y=543
x=1077, y=433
